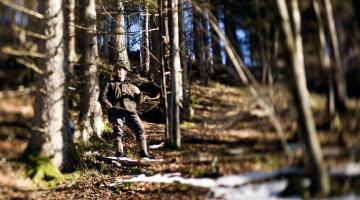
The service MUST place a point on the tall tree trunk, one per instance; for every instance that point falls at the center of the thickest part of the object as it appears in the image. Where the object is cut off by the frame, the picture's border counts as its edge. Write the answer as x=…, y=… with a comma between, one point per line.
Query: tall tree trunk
x=230, y=29
x=146, y=40
x=198, y=47
x=90, y=108
x=164, y=95
x=356, y=5
x=155, y=41
x=166, y=34
x=184, y=63
x=339, y=78
x=206, y=43
x=319, y=176
x=51, y=135
x=118, y=41
x=176, y=76
x=105, y=46
x=264, y=60
x=325, y=63
x=216, y=49
x=69, y=28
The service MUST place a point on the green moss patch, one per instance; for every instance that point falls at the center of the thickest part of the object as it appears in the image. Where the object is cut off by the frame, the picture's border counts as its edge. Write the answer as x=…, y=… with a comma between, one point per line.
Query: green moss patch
x=41, y=169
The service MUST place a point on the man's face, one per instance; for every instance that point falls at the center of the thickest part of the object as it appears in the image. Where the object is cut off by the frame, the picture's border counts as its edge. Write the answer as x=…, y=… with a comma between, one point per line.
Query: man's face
x=120, y=73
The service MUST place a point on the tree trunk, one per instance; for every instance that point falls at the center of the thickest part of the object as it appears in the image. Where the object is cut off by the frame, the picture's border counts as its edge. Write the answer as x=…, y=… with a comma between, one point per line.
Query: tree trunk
x=199, y=48
x=325, y=63
x=69, y=28
x=118, y=40
x=216, y=49
x=205, y=37
x=155, y=41
x=184, y=63
x=319, y=176
x=146, y=40
x=230, y=29
x=264, y=60
x=176, y=78
x=356, y=4
x=162, y=38
x=90, y=108
x=166, y=35
x=339, y=78
x=51, y=135
x=105, y=46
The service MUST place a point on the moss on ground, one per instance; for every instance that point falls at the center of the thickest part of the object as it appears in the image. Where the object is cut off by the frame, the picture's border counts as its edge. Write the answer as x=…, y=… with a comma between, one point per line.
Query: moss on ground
x=40, y=169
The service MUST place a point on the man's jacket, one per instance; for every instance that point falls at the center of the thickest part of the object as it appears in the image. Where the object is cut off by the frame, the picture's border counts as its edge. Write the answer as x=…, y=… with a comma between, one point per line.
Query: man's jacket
x=121, y=95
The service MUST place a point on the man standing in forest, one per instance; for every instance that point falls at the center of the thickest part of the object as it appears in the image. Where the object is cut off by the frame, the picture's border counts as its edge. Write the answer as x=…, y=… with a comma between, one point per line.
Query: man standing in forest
x=120, y=98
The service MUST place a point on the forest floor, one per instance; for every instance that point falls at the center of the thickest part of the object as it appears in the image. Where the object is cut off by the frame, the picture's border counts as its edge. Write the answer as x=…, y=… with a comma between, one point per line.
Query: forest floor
x=228, y=134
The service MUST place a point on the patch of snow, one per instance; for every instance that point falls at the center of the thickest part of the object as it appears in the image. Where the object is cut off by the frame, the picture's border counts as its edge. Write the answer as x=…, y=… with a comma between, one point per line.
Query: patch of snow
x=268, y=190
x=121, y=158
x=350, y=169
x=228, y=187
x=116, y=163
x=243, y=186
x=331, y=151
x=204, y=158
x=157, y=146
x=92, y=153
x=237, y=151
x=133, y=160
x=152, y=160
x=327, y=151
x=347, y=197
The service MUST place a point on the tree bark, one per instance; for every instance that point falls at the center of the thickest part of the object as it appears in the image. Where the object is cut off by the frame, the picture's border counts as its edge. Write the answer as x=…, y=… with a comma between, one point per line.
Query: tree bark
x=230, y=29
x=356, y=5
x=166, y=35
x=118, y=40
x=90, y=108
x=215, y=39
x=184, y=63
x=206, y=43
x=176, y=78
x=319, y=176
x=69, y=28
x=199, y=48
x=325, y=63
x=339, y=78
x=146, y=40
x=51, y=135
x=155, y=41
x=264, y=60
x=162, y=38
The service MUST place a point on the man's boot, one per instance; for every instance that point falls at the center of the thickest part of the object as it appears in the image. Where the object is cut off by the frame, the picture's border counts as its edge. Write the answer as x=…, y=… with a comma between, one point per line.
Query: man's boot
x=119, y=148
x=144, y=150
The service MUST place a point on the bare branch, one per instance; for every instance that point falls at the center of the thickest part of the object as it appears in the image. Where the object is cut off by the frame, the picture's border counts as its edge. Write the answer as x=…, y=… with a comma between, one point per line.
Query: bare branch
x=114, y=33
x=22, y=9
x=29, y=65
x=30, y=33
x=15, y=52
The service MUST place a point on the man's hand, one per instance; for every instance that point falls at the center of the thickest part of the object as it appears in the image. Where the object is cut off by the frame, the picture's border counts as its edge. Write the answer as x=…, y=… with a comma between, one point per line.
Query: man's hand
x=108, y=105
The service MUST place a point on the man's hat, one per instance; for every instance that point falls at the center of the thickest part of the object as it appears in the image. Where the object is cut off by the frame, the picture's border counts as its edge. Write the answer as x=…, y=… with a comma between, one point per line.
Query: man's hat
x=122, y=65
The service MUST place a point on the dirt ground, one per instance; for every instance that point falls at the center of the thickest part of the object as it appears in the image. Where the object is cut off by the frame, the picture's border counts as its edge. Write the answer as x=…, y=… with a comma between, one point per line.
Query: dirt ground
x=228, y=134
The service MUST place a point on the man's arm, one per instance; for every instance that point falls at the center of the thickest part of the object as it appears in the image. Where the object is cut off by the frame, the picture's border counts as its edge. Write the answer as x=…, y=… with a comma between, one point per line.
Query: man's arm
x=104, y=97
x=139, y=96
